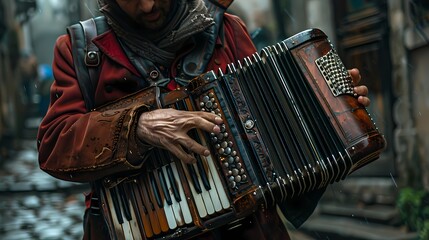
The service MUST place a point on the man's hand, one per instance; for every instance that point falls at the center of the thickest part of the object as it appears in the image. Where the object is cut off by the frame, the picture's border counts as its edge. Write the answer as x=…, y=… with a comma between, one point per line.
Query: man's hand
x=168, y=128
x=361, y=91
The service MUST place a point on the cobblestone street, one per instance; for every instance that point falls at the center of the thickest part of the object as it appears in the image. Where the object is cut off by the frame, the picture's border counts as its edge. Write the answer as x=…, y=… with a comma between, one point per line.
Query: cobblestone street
x=34, y=205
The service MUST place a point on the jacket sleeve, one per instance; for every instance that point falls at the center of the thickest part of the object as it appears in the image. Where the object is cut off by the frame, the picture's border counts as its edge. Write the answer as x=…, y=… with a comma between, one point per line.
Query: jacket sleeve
x=237, y=39
x=80, y=146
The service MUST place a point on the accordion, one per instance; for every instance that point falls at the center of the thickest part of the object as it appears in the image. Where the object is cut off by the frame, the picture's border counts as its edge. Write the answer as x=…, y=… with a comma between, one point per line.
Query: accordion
x=291, y=124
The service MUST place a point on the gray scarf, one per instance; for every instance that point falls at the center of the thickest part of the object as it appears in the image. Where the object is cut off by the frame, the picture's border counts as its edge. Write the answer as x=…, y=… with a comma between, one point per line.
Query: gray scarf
x=190, y=17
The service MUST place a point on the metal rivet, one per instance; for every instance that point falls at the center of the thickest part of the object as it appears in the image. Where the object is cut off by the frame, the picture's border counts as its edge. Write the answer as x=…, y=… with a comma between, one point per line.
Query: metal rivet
x=249, y=124
x=154, y=74
x=92, y=55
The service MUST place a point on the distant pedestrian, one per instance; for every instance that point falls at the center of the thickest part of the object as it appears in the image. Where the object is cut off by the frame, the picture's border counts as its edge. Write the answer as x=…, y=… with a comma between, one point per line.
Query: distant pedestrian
x=28, y=69
x=44, y=81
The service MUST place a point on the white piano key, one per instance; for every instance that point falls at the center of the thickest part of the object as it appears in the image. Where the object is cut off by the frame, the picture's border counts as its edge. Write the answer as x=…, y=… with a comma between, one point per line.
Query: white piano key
x=204, y=193
x=175, y=206
x=116, y=224
x=183, y=204
x=198, y=199
x=218, y=184
x=126, y=225
x=167, y=208
x=212, y=192
x=138, y=235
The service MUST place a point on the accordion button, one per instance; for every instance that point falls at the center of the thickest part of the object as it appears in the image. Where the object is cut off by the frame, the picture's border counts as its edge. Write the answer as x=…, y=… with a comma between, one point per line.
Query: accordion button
x=220, y=136
x=237, y=178
x=227, y=151
x=222, y=128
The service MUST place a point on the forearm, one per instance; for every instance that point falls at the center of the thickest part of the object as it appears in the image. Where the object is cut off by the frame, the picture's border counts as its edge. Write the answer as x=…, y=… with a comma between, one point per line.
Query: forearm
x=85, y=147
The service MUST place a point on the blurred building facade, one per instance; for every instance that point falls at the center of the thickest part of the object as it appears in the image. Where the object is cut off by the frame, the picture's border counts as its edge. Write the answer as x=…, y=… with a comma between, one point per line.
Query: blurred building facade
x=387, y=40
x=16, y=63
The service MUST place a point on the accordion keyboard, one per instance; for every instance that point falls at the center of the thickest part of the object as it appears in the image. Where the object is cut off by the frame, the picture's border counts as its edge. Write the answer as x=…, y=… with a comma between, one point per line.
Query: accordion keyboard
x=166, y=196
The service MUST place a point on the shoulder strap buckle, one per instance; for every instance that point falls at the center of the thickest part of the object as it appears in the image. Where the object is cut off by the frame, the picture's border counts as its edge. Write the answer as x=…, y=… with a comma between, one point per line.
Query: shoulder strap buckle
x=92, y=58
x=86, y=55
x=92, y=55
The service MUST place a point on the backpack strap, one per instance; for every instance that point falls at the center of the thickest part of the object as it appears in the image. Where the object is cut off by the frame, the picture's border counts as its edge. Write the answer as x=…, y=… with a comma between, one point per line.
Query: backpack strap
x=86, y=56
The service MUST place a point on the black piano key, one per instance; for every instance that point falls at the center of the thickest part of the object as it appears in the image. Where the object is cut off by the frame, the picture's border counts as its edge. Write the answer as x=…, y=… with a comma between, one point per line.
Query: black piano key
x=137, y=197
x=125, y=202
x=155, y=189
x=146, y=195
x=194, y=178
x=164, y=187
x=173, y=183
x=144, y=207
x=116, y=205
x=194, y=135
x=168, y=159
x=203, y=174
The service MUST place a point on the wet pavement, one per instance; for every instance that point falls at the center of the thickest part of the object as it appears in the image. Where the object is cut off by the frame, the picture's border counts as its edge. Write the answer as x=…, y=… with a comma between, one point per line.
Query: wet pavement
x=35, y=205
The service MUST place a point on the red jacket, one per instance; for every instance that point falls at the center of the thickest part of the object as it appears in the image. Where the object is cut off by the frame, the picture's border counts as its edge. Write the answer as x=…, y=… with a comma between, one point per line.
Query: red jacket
x=75, y=145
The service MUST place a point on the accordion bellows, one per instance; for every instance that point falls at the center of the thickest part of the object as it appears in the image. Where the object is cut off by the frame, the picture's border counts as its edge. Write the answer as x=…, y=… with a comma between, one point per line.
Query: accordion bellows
x=292, y=124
